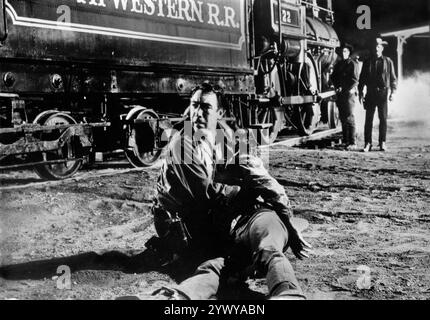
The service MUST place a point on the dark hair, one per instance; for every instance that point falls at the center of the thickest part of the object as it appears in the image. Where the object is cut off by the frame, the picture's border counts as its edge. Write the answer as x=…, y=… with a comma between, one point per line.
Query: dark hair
x=206, y=88
x=348, y=46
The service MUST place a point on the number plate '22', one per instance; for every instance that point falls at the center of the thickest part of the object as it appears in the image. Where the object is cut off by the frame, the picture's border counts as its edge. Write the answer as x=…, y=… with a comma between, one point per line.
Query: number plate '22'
x=288, y=16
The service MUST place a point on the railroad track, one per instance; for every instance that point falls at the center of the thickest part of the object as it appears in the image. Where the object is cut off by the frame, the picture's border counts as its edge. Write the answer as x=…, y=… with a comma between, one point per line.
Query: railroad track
x=13, y=180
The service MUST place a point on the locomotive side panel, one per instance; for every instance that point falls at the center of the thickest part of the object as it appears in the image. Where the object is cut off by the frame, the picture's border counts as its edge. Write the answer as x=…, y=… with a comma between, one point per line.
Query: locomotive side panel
x=179, y=37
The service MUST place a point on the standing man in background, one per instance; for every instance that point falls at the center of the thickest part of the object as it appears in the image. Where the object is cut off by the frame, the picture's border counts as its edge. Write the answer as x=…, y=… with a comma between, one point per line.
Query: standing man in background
x=379, y=77
x=345, y=79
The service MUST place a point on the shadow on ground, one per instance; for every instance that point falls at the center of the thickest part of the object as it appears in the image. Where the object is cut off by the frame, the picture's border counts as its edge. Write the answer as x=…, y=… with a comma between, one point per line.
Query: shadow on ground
x=143, y=262
x=113, y=261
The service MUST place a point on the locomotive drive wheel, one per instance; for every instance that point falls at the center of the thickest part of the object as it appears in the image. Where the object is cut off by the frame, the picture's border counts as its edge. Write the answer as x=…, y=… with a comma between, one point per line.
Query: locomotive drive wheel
x=142, y=149
x=65, y=169
x=307, y=118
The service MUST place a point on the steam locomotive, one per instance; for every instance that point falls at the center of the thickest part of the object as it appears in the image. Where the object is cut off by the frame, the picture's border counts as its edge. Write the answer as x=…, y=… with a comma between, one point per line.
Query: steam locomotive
x=80, y=77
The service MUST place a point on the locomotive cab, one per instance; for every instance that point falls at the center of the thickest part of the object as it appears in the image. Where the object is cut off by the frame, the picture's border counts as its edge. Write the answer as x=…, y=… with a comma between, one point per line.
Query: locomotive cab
x=294, y=49
x=291, y=21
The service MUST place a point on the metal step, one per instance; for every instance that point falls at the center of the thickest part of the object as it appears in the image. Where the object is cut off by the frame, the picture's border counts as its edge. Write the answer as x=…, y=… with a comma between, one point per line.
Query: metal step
x=260, y=126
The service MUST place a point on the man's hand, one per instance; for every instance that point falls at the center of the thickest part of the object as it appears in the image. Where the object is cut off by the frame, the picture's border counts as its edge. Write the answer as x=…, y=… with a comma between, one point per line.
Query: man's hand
x=391, y=97
x=298, y=245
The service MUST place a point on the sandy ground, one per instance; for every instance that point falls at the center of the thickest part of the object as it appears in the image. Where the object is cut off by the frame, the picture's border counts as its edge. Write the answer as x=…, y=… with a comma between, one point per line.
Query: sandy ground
x=369, y=210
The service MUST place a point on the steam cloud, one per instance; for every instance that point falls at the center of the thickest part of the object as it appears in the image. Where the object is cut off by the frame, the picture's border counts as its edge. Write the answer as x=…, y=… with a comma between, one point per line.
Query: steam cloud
x=411, y=104
x=412, y=101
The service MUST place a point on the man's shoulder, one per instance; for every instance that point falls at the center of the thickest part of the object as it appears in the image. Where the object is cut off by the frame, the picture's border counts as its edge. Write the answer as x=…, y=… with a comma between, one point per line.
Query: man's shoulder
x=176, y=145
x=179, y=137
x=176, y=140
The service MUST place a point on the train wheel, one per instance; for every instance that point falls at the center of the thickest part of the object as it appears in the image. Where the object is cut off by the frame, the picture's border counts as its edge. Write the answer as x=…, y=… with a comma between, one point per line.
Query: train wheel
x=142, y=149
x=307, y=117
x=57, y=171
x=333, y=115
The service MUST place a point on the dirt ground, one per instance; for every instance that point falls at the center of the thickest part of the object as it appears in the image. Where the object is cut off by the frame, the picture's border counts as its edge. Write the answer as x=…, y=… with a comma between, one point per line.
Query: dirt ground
x=369, y=210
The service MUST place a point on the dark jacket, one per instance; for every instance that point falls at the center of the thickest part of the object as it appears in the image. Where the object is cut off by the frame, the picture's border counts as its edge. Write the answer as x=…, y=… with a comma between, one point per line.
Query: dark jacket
x=346, y=75
x=369, y=77
x=192, y=185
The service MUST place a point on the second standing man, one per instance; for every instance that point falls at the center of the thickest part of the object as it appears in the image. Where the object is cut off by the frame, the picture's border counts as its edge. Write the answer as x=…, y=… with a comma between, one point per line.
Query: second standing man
x=379, y=77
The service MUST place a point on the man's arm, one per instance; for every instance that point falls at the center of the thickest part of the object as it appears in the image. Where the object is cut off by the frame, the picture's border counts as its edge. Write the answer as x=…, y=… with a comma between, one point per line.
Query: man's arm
x=259, y=182
x=363, y=80
x=393, y=78
x=363, y=77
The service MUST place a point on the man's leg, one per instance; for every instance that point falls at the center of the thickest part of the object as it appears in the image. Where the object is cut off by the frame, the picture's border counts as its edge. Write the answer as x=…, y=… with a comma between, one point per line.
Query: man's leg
x=344, y=133
x=351, y=130
x=266, y=237
x=342, y=118
x=368, y=127
x=204, y=284
x=383, y=114
x=350, y=119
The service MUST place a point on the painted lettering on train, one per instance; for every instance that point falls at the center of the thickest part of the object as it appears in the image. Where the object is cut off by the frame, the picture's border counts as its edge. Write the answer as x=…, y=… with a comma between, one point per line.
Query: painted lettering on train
x=210, y=13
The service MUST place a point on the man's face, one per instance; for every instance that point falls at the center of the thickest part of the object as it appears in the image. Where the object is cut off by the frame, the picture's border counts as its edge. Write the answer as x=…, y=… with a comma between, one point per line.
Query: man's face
x=379, y=50
x=346, y=53
x=204, y=111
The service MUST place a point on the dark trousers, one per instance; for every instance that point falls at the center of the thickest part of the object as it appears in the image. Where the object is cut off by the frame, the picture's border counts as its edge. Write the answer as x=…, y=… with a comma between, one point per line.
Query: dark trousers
x=346, y=106
x=376, y=100
x=259, y=243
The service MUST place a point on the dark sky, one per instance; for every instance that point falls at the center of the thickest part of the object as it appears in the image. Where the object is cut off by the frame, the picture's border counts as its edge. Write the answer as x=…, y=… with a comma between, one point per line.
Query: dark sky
x=386, y=15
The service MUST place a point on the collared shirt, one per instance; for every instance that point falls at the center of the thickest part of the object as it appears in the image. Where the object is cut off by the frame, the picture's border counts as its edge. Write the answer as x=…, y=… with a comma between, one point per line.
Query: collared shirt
x=378, y=73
